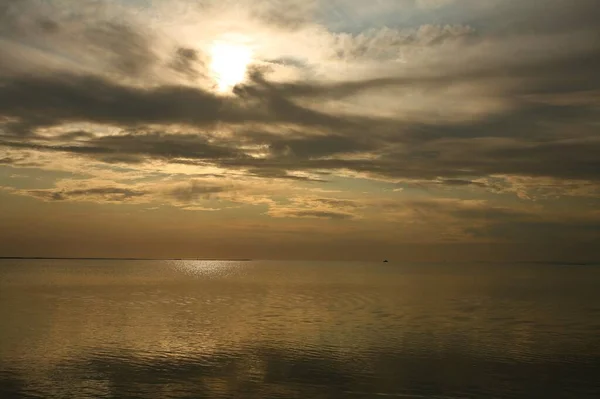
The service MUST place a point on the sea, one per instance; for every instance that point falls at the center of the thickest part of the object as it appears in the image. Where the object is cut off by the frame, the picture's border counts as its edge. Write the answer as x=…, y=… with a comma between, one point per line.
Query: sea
x=273, y=329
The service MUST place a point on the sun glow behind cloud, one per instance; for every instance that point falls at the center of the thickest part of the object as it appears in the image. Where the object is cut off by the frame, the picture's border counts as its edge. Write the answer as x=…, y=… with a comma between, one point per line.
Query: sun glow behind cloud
x=229, y=63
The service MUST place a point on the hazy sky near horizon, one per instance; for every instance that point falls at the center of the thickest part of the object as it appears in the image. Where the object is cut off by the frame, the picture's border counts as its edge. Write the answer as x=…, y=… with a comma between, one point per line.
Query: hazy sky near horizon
x=408, y=129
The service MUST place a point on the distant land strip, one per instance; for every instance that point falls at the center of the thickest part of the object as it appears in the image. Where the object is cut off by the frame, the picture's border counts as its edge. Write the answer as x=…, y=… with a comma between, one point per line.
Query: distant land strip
x=58, y=258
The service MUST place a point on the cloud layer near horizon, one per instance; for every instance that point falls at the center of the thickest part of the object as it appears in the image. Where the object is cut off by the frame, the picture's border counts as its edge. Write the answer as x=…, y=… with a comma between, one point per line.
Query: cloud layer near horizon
x=436, y=121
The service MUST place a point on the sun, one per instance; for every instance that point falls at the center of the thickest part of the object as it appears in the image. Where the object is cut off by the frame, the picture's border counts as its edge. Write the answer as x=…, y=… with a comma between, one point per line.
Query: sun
x=229, y=63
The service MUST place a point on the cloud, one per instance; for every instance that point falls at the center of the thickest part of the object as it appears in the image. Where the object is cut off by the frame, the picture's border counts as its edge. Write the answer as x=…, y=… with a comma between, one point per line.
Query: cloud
x=189, y=62
x=311, y=214
x=96, y=194
x=461, y=182
x=435, y=3
x=283, y=13
x=128, y=148
x=337, y=203
x=127, y=50
x=448, y=98
x=183, y=194
x=395, y=44
x=73, y=98
x=451, y=220
x=314, y=146
x=308, y=206
x=192, y=191
x=321, y=214
x=274, y=173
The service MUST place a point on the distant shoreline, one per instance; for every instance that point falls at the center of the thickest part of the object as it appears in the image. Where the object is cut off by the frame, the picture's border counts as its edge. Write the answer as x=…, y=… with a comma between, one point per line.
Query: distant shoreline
x=59, y=258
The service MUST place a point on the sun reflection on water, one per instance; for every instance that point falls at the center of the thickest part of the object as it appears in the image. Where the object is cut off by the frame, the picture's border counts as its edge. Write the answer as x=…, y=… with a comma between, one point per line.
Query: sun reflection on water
x=207, y=268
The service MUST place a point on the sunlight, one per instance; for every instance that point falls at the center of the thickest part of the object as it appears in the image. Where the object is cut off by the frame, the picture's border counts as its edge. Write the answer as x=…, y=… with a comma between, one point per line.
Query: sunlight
x=229, y=64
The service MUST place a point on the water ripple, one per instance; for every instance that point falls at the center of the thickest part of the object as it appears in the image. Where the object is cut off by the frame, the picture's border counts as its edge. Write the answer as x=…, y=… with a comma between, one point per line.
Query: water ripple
x=270, y=330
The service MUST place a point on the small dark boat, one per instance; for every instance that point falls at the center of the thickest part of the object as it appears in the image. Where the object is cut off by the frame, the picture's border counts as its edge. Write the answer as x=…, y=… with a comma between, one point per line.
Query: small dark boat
x=385, y=261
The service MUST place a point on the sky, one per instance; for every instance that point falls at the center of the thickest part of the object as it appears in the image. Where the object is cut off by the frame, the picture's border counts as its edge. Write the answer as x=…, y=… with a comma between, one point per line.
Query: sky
x=415, y=130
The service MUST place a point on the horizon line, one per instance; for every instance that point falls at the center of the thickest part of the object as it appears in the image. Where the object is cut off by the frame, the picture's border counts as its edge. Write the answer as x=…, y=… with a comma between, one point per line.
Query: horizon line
x=115, y=258
x=553, y=262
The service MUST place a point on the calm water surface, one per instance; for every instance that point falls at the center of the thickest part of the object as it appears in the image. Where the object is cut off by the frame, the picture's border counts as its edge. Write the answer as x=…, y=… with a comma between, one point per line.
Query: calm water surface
x=203, y=329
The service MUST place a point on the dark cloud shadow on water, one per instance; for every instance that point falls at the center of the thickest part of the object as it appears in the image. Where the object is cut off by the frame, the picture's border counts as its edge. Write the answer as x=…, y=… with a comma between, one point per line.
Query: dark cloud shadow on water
x=310, y=373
